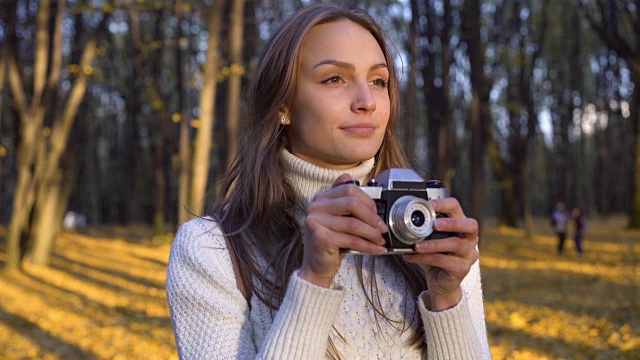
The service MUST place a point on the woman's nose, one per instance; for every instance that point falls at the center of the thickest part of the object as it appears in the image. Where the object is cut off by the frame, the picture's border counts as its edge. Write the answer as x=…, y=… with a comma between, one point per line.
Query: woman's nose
x=363, y=98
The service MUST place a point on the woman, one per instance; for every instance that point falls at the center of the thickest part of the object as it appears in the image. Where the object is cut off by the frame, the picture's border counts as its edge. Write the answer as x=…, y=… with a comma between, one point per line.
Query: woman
x=322, y=110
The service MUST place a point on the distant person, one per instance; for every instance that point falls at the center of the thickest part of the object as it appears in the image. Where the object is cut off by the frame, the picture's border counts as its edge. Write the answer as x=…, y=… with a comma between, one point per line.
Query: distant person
x=74, y=220
x=559, y=221
x=580, y=228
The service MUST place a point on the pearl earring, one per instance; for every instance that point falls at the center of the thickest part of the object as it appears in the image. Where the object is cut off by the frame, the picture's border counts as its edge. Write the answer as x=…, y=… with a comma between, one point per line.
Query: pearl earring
x=283, y=120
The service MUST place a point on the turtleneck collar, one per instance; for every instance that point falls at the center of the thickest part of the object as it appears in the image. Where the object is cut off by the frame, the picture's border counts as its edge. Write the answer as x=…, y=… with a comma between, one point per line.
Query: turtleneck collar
x=308, y=179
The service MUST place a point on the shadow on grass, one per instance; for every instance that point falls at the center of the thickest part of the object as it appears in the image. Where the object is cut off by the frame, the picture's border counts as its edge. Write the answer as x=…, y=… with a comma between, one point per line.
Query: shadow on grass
x=124, y=258
x=574, y=293
x=121, y=274
x=552, y=347
x=49, y=343
x=82, y=305
x=134, y=234
x=164, y=263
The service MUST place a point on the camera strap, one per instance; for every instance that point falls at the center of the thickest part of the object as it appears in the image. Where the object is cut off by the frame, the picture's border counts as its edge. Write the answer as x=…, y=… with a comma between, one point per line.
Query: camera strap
x=236, y=269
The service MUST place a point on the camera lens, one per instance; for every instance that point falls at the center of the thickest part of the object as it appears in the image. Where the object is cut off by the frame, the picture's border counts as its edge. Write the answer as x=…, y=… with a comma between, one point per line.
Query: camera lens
x=417, y=218
x=411, y=219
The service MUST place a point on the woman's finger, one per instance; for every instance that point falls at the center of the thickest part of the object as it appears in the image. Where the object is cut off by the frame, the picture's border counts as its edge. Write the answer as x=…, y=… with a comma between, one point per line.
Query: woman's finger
x=452, y=264
x=449, y=206
x=349, y=205
x=346, y=225
x=453, y=246
x=467, y=226
x=342, y=188
x=323, y=237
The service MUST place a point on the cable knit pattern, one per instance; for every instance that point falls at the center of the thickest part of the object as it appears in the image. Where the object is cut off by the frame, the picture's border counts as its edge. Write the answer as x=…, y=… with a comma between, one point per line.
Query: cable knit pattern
x=310, y=179
x=212, y=320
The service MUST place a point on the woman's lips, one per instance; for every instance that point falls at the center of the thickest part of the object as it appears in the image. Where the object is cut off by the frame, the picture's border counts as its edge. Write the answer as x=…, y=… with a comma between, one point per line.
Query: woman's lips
x=360, y=129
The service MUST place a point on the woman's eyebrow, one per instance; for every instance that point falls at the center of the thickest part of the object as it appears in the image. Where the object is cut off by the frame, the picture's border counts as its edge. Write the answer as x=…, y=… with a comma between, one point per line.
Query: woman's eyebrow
x=346, y=65
x=378, y=66
x=337, y=63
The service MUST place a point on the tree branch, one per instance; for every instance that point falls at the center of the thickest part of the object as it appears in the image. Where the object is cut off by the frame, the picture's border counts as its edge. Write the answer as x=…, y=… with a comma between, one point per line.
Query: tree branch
x=56, y=56
x=15, y=84
x=63, y=123
x=608, y=33
x=3, y=75
x=42, y=51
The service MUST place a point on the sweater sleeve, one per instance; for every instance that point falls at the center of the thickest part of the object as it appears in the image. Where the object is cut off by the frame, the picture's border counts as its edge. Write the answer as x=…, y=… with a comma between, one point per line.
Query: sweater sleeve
x=210, y=316
x=305, y=318
x=459, y=332
x=208, y=312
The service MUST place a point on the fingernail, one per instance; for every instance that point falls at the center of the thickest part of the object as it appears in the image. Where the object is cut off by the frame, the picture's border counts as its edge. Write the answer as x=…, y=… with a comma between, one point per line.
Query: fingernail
x=382, y=226
x=440, y=223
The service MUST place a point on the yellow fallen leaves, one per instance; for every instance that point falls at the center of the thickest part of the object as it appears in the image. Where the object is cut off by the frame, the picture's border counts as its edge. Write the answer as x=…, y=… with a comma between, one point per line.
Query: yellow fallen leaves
x=540, y=305
x=100, y=298
x=103, y=297
x=580, y=331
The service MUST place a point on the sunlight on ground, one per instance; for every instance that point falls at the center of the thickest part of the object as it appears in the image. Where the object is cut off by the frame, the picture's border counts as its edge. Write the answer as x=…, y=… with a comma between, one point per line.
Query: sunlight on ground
x=540, y=305
x=103, y=297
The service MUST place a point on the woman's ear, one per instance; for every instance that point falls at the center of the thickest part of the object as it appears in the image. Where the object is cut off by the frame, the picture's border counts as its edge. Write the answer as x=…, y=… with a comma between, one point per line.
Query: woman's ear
x=284, y=120
x=283, y=116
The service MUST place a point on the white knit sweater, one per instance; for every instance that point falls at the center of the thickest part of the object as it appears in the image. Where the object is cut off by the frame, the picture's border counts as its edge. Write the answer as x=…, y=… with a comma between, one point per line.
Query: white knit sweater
x=212, y=319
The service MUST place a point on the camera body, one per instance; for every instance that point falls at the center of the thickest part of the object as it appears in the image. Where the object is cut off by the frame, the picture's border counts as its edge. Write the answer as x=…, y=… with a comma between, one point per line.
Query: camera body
x=401, y=199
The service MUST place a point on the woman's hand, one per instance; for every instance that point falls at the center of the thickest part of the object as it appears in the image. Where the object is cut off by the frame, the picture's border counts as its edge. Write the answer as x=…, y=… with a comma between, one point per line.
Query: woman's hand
x=447, y=261
x=343, y=217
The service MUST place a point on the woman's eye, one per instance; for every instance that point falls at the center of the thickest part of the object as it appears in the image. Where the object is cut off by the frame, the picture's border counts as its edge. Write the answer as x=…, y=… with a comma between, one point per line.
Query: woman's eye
x=380, y=82
x=334, y=80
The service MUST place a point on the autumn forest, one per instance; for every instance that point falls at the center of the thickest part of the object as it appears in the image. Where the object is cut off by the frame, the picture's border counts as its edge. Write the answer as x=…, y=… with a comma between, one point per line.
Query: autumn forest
x=118, y=117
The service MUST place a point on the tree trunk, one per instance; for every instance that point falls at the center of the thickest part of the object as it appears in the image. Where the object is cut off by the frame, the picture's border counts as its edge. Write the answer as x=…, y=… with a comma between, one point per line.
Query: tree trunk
x=51, y=215
x=48, y=182
x=46, y=211
x=131, y=207
x=24, y=195
x=184, y=141
x=609, y=25
x=161, y=112
x=445, y=151
x=508, y=213
x=31, y=118
x=63, y=201
x=47, y=179
x=44, y=84
x=436, y=91
x=161, y=136
x=202, y=144
x=477, y=122
x=3, y=72
x=634, y=211
x=412, y=101
x=527, y=216
x=133, y=210
x=235, y=77
x=602, y=142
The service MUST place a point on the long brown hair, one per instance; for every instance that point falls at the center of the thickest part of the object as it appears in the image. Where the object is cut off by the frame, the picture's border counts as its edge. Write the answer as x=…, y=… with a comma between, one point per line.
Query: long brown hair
x=258, y=207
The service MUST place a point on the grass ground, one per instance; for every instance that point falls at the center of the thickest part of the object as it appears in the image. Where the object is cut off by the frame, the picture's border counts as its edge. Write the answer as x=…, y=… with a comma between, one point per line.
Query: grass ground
x=540, y=305
x=103, y=297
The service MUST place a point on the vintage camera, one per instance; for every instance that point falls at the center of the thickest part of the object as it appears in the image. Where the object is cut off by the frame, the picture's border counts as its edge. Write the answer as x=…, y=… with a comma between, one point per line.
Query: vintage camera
x=401, y=198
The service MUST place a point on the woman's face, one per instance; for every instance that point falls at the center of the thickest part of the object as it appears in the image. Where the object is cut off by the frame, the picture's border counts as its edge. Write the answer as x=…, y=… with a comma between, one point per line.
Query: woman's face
x=341, y=106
